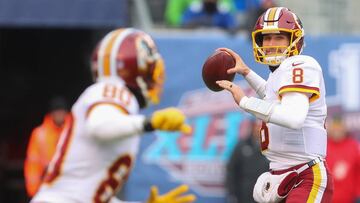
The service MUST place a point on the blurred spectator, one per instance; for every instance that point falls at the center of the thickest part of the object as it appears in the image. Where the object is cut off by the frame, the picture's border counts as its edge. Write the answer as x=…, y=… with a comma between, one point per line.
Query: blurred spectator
x=343, y=158
x=247, y=11
x=245, y=165
x=42, y=144
x=174, y=11
x=209, y=13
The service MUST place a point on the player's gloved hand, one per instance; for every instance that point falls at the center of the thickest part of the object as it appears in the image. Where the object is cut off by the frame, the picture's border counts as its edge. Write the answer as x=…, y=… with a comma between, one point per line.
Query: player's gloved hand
x=169, y=119
x=174, y=196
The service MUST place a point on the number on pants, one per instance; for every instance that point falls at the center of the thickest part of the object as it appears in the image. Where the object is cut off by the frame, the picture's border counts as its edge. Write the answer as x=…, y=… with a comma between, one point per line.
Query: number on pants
x=264, y=136
x=116, y=176
x=298, y=75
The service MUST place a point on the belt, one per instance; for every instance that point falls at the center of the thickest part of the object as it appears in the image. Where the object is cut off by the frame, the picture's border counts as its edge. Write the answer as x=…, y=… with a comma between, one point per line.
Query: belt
x=309, y=165
x=298, y=168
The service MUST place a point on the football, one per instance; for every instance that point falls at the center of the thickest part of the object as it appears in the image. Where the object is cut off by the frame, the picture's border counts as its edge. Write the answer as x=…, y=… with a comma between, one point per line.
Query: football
x=215, y=68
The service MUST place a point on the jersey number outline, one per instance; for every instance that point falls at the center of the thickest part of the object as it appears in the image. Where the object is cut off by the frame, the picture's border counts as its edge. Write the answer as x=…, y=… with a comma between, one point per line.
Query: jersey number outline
x=117, y=174
x=113, y=92
x=264, y=136
x=298, y=75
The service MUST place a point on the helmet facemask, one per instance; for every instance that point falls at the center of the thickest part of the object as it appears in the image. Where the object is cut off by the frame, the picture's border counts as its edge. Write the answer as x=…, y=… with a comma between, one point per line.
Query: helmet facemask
x=281, y=52
x=151, y=84
x=277, y=20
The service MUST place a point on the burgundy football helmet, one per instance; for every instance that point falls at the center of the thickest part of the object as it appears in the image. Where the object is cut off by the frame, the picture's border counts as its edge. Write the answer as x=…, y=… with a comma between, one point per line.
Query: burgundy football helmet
x=277, y=20
x=131, y=55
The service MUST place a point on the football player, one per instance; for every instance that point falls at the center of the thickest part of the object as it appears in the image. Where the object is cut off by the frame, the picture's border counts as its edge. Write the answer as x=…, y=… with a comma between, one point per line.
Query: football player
x=98, y=147
x=291, y=105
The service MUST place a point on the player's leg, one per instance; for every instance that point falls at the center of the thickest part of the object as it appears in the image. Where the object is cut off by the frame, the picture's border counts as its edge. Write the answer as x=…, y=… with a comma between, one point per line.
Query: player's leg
x=317, y=186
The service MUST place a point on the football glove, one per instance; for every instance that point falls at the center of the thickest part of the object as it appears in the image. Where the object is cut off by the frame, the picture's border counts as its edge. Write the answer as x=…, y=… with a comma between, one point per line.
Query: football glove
x=169, y=119
x=174, y=196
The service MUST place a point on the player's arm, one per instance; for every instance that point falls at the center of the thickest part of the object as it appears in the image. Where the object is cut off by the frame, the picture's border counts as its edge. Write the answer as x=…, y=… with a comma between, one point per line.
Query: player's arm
x=290, y=112
x=257, y=83
x=107, y=122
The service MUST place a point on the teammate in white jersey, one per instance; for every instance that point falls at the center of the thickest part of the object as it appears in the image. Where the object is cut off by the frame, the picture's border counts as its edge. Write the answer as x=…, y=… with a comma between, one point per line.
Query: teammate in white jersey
x=292, y=106
x=97, y=149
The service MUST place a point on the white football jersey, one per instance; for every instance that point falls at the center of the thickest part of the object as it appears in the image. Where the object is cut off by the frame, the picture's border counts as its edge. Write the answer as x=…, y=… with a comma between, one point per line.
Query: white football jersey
x=285, y=147
x=84, y=169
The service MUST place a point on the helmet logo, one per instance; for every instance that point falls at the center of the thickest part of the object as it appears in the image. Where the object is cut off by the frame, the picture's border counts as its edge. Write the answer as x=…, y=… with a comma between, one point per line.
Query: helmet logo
x=119, y=64
x=145, y=54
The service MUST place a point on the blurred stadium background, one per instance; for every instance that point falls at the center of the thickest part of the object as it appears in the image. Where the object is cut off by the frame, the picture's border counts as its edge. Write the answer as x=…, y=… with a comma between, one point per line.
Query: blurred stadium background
x=45, y=47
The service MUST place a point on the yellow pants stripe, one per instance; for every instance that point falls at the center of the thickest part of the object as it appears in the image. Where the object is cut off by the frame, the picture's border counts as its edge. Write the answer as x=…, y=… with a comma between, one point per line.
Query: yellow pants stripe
x=316, y=184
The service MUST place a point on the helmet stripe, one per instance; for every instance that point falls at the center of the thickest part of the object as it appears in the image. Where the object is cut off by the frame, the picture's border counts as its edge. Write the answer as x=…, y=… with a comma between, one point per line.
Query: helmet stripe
x=119, y=39
x=277, y=16
x=107, y=52
x=102, y=53
x=271, y=16
x=266, y=14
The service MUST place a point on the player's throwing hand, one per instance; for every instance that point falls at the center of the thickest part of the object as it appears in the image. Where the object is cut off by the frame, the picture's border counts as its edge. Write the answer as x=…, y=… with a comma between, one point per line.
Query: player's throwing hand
x=235, y=90
x=240, y=66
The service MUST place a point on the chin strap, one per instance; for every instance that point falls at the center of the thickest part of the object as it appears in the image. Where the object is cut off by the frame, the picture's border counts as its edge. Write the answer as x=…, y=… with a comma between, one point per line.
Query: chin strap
x=274, y=60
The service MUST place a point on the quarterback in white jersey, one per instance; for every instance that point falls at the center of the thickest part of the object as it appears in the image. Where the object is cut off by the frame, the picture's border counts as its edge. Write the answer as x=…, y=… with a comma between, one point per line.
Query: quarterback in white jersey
x=97, y=149
x=293, y=109
x=290, y=144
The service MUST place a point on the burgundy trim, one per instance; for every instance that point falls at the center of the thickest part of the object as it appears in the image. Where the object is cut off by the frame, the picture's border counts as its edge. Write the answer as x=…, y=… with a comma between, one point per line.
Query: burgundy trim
x=98, y=103
x=299, y=86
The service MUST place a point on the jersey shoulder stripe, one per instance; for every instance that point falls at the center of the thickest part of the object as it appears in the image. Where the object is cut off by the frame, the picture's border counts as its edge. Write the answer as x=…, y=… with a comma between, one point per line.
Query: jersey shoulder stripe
x=118, y=106
x=301, y=88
